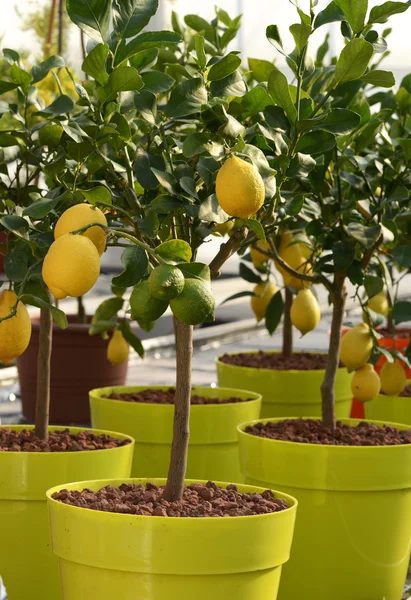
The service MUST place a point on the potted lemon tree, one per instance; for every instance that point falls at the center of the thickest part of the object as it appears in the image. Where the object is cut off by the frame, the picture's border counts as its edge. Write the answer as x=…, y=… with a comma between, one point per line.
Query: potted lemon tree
x=333, y=467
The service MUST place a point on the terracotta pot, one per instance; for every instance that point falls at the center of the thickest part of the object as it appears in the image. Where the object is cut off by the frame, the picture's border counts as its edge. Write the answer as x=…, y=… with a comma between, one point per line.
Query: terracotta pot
x=78, y=364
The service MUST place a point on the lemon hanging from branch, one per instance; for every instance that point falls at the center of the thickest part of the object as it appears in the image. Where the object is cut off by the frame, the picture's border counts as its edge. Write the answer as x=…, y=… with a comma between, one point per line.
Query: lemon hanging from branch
x=393, y=378
x=79, y=216
x=14, y=332
x=356, y=347
x=239, y=188
x=305, y=312
x=263, y=292
x=117, y=349
x=365, y=384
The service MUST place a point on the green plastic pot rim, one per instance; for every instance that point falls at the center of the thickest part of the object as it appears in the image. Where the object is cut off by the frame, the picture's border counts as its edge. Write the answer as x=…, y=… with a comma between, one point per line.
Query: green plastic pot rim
x=113, y=434
x=291, y=501
x=255, y=369
x=252, y=396
x=387, y=397
x=331, y=448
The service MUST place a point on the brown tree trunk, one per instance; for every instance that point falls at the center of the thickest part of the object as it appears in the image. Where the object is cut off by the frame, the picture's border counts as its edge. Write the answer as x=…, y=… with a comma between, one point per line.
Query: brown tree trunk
x=43, y=375
x=181, y=431
x=60, y=36
x=287, y=325
x=81, y=311
x=49, y=39
x=328, y=385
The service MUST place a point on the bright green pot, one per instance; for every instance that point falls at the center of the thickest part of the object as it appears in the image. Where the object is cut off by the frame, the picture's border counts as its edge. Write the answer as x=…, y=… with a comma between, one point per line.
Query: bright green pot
x=396, y=409
x=213, y=447
x=288, y=393
x=27, y=564
x=353, y=533
x=108, y=556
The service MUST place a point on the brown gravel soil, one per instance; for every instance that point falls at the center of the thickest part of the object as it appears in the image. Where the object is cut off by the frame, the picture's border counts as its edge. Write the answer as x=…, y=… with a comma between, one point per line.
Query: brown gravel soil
x=402, y=333
x=198, y=500
x=154, y=396
x=310, y=431
x=300, y=361
x=60, y=440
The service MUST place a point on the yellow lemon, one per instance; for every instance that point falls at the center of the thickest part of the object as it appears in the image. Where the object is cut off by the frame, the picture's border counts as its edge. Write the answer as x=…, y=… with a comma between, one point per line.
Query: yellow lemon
x=365, y=384
x=224, y=228
x=263, y=294
x=71, y=266
x=379, y=304
x=239, y=188
x=257, y=257
x=117, y=349
x=79, y=216
x=305, y=312
x=295, y=255
x=393, y=378
x=15, y=332
x=356, y=347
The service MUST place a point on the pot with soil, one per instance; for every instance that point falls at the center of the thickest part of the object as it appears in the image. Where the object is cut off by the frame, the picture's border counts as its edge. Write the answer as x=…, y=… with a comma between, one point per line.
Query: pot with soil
x=28, y=467
x=394, y=340
x=234, y=548
x=396, y=409
x=147, y=415
x=353, y=532
x=78, y=363
x=289, y=385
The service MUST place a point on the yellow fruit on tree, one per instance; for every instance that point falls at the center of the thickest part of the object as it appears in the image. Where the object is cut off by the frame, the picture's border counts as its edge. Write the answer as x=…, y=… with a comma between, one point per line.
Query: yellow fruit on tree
x=393, y=378
x=379, y=304
x=296, y=255
x=260, y=301
x=305, y=312
x=14, y=332
x=71, y=266
x=239, y=188
x=224, y=228
x=257, y=257
x=117, y=349
x=356, y=347
x=79, y=216
x=365, y=384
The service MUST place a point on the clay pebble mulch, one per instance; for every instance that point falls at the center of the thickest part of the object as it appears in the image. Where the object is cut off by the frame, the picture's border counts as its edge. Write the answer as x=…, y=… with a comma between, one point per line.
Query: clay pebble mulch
x=406, y=393
x=198, y=500
x=153, y=396
x=59, y=441
x=300, y=361
x=310, y=431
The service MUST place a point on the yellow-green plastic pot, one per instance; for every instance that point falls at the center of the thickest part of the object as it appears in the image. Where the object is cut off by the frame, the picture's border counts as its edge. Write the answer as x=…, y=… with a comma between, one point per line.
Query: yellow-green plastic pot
x=353, y=533
x=288, y=393
x=213, y=446
x=396, y=409
x=110, y=556
x=27, y=564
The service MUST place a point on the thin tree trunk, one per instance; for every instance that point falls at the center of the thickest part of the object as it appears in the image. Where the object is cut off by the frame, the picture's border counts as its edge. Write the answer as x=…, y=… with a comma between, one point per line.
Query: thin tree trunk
x=181, y=431
x=81, y=311
x=287, y=325
x=60, y=34
x=43, y=375
x=49, y=39
x=328, y=385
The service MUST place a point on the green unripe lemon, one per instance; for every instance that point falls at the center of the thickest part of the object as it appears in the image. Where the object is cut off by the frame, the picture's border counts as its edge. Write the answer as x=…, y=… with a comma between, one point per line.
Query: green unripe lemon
x=195, y=304
x=144, y=307
x=166, y=282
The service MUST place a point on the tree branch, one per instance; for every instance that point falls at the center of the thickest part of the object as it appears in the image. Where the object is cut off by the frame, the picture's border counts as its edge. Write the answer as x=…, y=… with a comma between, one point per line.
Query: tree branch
x=226, y=251
x=369, y=253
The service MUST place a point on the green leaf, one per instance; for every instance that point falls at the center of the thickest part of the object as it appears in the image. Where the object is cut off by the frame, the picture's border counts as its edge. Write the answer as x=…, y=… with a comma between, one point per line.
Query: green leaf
x=92, y=16
x=274, y=312
x=95, y=63
x=40, y=208
x=131, y=16
x=373, y=285
x=353, y=60
x=21, y=76
x=248, y=275
x=157, y=82
x=294, y=206
x=131, y=338
x=146, y=104
x=280, y=92
x=405, y=144
x=339, y=121
x=238, y=295
x=224, y=67
x=11, y=55
x=135, y=263
x=379, y=78
x=300, y=166
x=186, y=98
x=195, y=271
x=96, y=195
x=108, y=309
x=175, y=250
x=401, y=312
x=7, y=140
x=355, y=12
x=381, y=13
x=7, y=86
x=301, y=34
x=122, y=125
x=165, y=204
x=367, y=236
x=256, y=100
x=233, y=85
x=41, y=71
x=201, y=25
x=273, y=36
x=58, y=315
x=343, y=255
x=402, y=256
x=16, y=225
x=15, y=264
x=79, y=152
x=260, y=69
x=201, y=55
x=144, y=59
x=144, y=41
x=258, y=229
x=122, y=79
x=211, y=211
x=144, y=162
x=330, y=14
x=195, y=143
x=63, y=104
x=102, y=327
x=167, y=180
x=316, y=142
